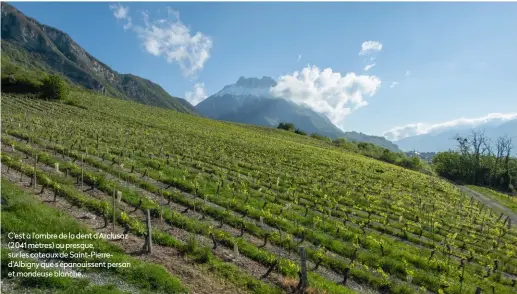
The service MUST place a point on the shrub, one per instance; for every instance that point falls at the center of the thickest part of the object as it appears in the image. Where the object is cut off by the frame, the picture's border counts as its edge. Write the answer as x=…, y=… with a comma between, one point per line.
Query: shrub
x=287, y=126
x=300, y=132
x=54, y=87
x=411, y=163
x=14, y=84
x=388, y=156
x=365, y=146
x=202, y=255
x=320, y=137
x=339, y=141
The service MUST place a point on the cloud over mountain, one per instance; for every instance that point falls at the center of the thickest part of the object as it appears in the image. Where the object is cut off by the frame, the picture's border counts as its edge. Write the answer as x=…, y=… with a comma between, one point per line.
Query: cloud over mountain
x=414, y=129
x=326, y=91
x=197, y=95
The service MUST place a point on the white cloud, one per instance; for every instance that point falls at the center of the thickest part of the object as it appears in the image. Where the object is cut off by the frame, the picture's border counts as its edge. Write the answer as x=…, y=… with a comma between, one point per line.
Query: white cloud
x=401, y=132
x=299, y=57
x=369, y=66
x=372, y=58
x=197, y=95
x=145, y=18
x=122, y=13
x=129, y=24
x=327, y=92
x=174, y=41
x=369, y=47
x=394, y=84
x=170, y=38
x=119, y=11
x=408, y=73
x=173, y=12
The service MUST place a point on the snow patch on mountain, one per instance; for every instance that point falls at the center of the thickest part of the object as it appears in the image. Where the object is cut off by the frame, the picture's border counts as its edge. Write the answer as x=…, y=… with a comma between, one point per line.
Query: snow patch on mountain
x=246, y=87
x=235, y=90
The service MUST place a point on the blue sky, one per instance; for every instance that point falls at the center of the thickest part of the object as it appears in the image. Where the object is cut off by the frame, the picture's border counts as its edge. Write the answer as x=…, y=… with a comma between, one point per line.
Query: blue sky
x=439, y=62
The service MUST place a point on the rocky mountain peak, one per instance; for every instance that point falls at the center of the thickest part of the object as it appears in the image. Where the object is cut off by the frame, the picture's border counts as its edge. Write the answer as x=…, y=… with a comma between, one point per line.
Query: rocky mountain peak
x=249, y=87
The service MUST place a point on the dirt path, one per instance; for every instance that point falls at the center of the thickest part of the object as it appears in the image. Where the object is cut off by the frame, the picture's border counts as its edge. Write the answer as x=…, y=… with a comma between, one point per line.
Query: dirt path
x=490, y=203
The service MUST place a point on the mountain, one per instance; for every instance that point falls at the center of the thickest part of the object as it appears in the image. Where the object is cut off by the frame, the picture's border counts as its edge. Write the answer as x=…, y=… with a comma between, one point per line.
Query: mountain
x=32, y=45
x=249, y=101
x=444, y=140
x=376, y=140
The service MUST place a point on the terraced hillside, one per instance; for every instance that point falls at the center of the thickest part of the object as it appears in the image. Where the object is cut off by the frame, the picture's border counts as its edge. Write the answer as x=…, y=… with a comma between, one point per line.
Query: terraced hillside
x=242, y=199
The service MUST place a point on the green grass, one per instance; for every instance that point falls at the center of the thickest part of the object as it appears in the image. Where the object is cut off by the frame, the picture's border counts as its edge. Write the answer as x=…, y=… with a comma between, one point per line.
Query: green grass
x=506, y=200
x=22, y=213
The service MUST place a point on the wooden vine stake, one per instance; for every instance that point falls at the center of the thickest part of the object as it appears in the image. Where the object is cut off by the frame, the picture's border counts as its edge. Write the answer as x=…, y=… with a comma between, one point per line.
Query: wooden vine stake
x=149, y=240
x=235, y=249
x=303, y=273
x=462, y=275
x=21, y=172
x=114, y=210
x=34, y=175
x=82, y=171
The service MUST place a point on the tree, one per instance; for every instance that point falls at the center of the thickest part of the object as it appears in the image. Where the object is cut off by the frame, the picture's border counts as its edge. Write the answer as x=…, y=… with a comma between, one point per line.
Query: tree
x=472, y=149
x=507, y=178
x=300, y=132
x=412, y=163
x=477, y=162
x=287, y=126
x=448, y=165
x=479, y=146
x=500, y=148
x=388, y=156
x=54, y=87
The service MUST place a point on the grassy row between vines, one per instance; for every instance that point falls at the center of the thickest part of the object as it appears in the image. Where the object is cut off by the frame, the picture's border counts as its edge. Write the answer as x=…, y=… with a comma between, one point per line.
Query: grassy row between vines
x=21, y=213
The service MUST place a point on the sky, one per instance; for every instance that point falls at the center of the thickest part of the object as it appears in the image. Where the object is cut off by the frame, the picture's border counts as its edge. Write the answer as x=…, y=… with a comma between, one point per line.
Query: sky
x=392, y=69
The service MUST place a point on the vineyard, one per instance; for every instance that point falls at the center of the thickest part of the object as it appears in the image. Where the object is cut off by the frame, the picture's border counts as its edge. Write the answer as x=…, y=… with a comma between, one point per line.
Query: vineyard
x=19, y=212
x=244, y=199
